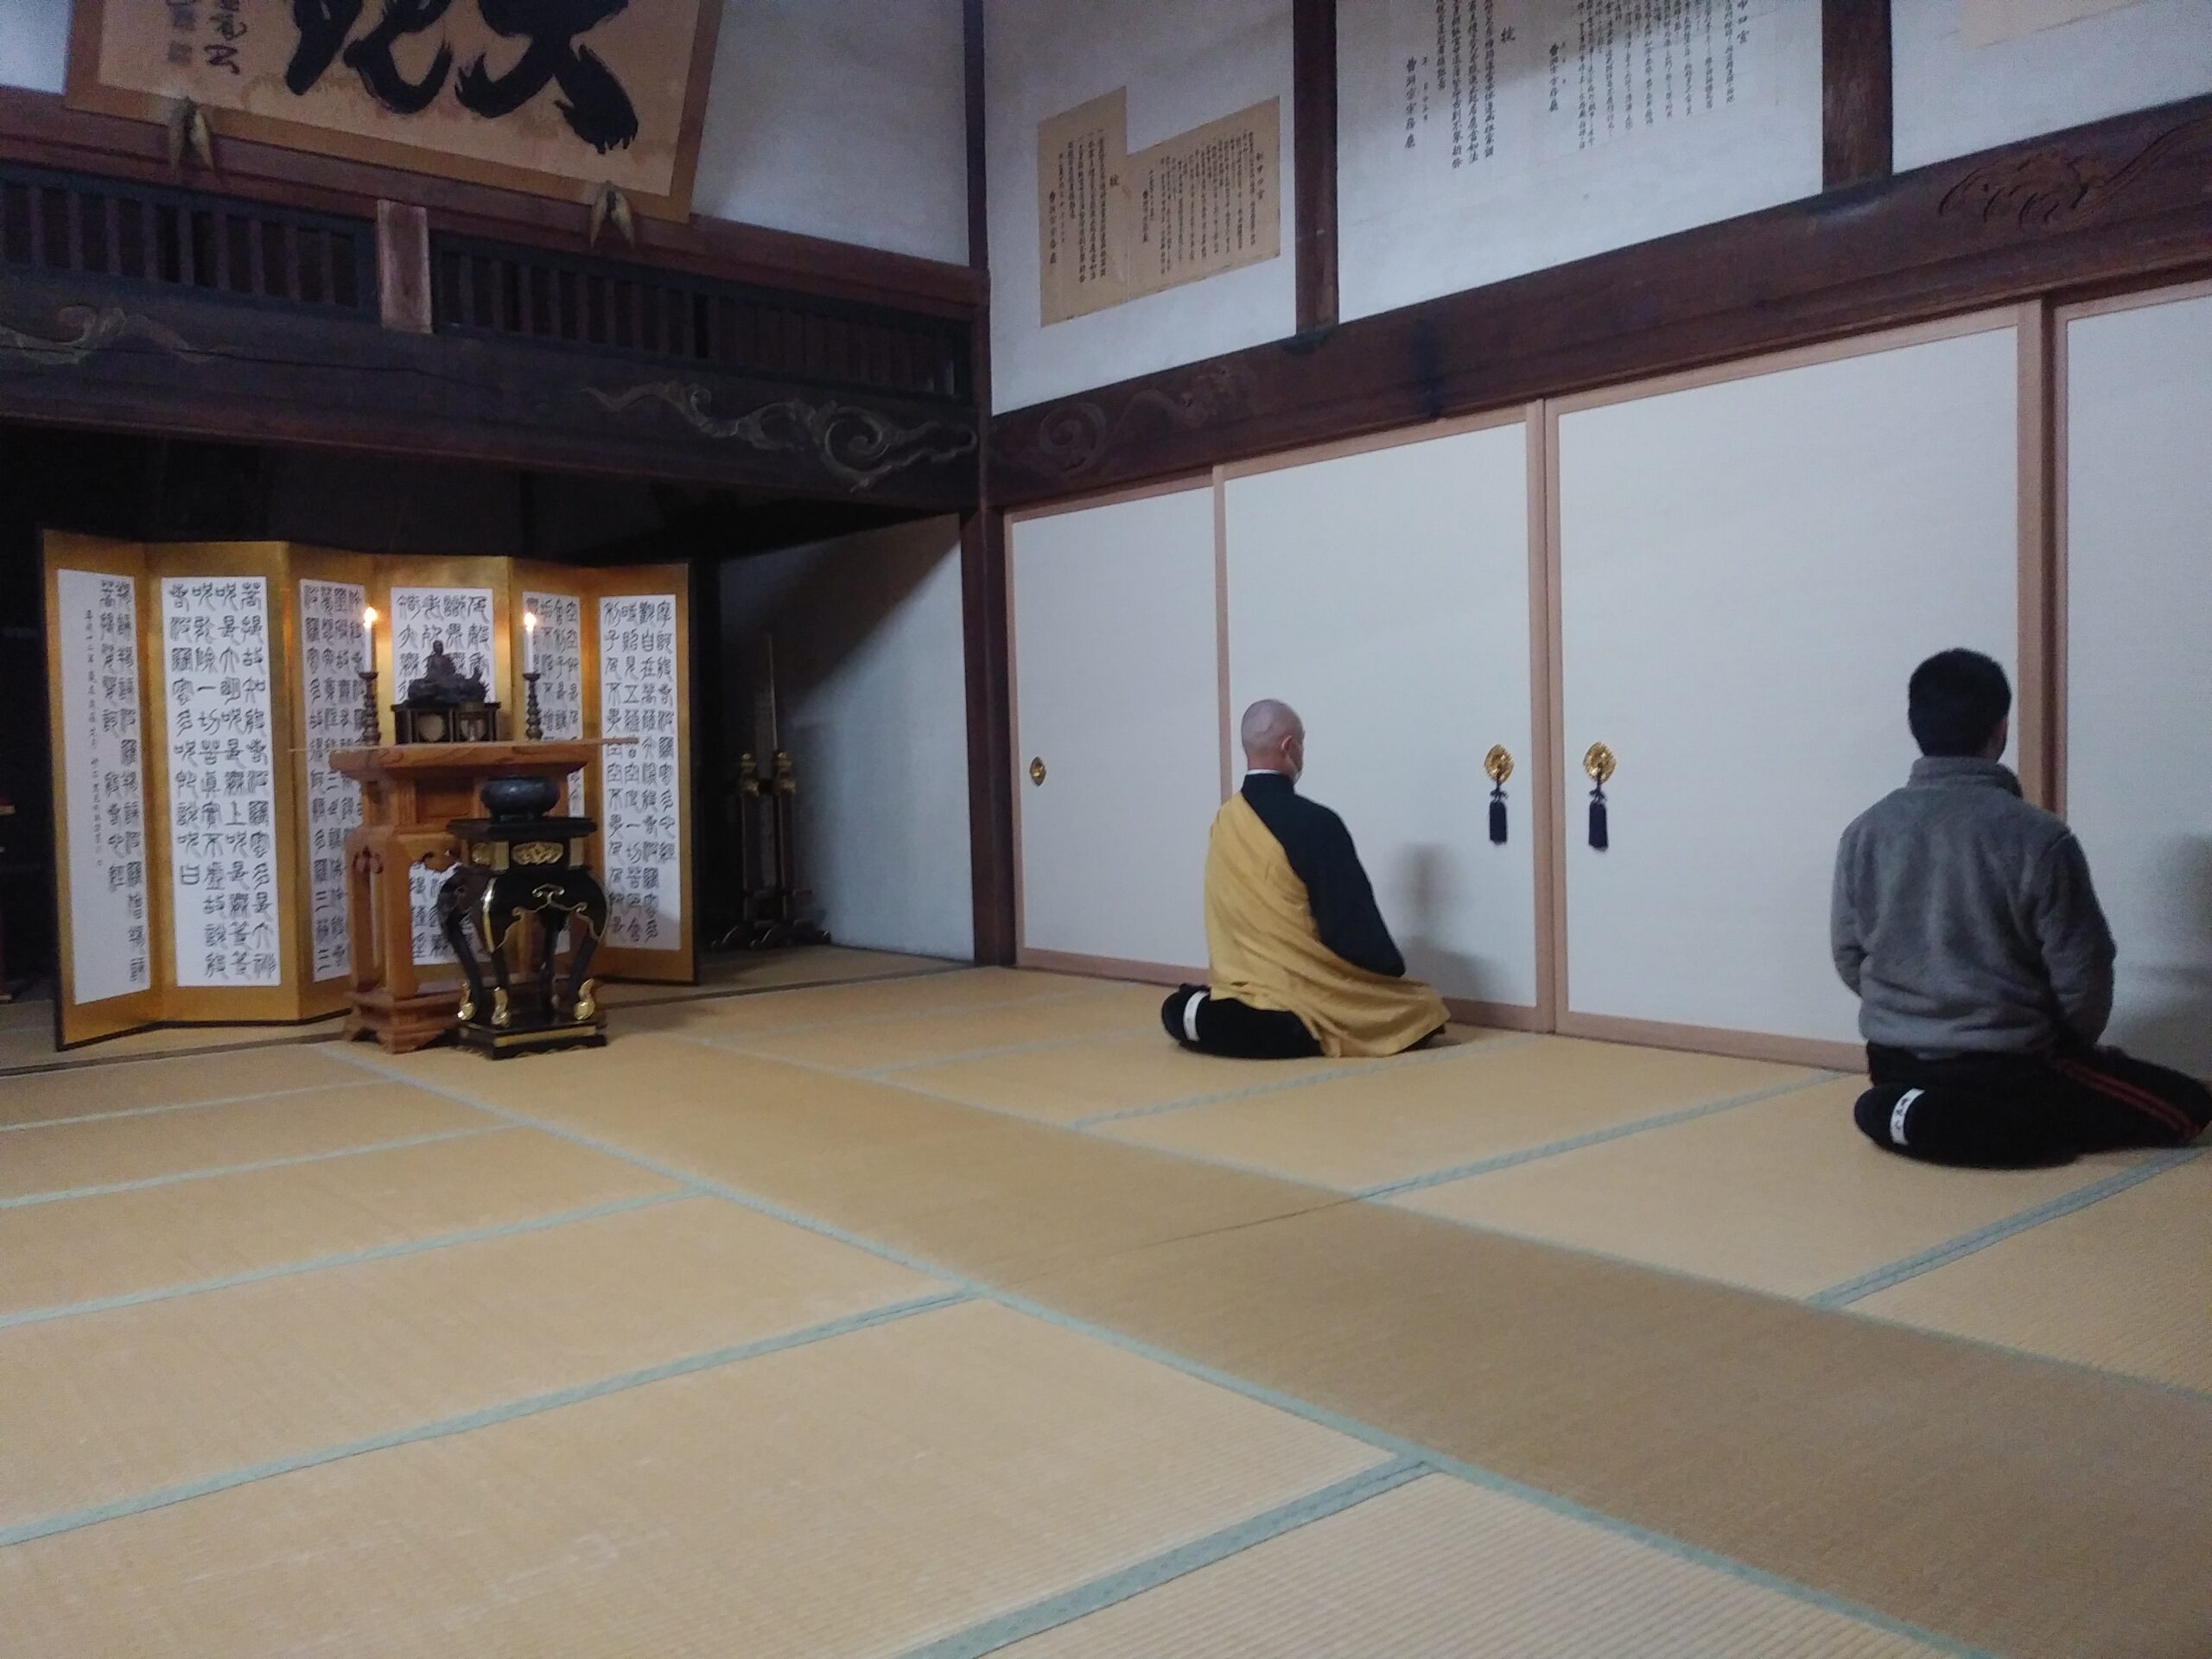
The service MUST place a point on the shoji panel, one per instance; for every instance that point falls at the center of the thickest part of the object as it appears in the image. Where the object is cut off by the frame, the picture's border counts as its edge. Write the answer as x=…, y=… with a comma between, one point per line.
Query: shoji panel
x=1748, y=571
x=1117, y=699
x=1384, y=595
x=2138, y=671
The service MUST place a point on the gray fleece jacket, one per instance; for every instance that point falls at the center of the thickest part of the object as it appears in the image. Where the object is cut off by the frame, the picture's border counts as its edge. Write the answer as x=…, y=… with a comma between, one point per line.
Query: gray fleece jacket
x=1964, y=918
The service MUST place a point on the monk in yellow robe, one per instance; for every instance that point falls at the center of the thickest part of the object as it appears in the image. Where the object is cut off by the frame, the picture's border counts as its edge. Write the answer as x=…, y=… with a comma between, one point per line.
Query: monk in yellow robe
x=1301, y=962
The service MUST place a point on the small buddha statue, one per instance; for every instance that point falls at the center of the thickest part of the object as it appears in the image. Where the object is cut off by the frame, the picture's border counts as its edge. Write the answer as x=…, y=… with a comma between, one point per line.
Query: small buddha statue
x=441, y=685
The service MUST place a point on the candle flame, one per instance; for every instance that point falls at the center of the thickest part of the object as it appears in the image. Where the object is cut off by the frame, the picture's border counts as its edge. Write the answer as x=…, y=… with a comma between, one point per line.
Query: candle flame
x=529, y=621
x=369, y=616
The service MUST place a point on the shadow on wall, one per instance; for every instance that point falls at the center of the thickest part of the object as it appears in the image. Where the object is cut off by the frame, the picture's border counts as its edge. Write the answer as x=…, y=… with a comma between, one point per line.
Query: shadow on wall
x=2165, y=1008
x=870, y=700
x=1420, y=894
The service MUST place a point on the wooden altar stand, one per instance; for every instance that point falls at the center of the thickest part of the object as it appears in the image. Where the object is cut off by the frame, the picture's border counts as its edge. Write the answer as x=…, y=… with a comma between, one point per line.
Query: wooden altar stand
x=409, y=792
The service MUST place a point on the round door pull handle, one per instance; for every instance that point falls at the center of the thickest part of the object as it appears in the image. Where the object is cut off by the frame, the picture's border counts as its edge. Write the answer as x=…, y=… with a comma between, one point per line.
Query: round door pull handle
x=1036, y=771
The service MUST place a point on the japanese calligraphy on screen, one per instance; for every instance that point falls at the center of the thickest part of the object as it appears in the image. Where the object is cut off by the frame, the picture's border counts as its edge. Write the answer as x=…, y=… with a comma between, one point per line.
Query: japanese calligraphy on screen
x=106, y=785
x=223, y=859
x=641, y=783
x=330, y=708
x=558, y=96
x=560, y=660
x=460, y=619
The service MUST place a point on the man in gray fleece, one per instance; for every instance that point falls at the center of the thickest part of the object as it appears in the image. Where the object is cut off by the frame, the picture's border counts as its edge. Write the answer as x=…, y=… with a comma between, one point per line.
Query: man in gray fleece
x=1965, y=922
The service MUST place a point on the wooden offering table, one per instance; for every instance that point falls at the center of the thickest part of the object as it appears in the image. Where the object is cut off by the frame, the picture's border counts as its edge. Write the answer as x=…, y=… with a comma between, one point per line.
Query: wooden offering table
x=409, y=793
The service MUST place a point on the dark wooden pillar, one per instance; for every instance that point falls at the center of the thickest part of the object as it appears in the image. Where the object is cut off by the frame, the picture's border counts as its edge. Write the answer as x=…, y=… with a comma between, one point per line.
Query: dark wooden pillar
x=1313, y=143
x=983, y=594
x=1855, y=119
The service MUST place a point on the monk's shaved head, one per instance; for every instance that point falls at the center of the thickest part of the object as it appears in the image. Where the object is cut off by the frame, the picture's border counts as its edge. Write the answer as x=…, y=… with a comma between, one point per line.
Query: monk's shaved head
x=1266, y=726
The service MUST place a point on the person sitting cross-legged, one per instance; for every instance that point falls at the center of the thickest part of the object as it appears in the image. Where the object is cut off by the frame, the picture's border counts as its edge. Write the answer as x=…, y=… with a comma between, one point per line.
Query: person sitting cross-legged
x=1300, y=961
x=1964, y=919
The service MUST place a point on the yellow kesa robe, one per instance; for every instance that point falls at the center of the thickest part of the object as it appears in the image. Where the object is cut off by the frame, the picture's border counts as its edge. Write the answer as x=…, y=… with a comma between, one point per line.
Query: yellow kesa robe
x=1267, y=952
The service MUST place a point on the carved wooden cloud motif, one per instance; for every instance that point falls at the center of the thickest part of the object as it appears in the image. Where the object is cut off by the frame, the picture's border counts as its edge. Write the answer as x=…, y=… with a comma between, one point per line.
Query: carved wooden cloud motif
x=857, y=445
x=563, y=98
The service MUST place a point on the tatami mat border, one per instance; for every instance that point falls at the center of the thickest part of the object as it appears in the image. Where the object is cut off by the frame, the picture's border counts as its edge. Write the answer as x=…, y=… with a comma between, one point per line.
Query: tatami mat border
x=1333, y=1074
x=664, y=996
x=23, y=1200
x=1982, y=1238
x=735, y=1041
x=181, y=1105
x=1043, y=1046
x=350, y=1258
x=1595, y=1137
x=530, y=1407
x=1104, y=1592
x=1351, y=1428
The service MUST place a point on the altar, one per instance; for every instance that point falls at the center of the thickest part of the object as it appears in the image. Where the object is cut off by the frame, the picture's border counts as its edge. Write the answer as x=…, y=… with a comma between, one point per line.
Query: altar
x=411, y=796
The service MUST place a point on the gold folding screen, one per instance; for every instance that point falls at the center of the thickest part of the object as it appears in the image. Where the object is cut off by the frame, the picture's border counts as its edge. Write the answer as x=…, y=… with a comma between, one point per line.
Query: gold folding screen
x=197, y=691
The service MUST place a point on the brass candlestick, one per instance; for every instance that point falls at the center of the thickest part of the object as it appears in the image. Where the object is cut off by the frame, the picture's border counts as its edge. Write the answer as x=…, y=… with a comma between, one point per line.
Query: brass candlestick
x=372, y=733
x=533, y=724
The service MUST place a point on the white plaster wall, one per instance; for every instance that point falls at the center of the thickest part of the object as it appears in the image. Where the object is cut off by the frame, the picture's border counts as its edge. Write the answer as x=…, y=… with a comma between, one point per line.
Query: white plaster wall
x=1952, y=98
x=1184, y=62
x=839, y=119
x=34, y=43
x=873, y=696
x=1402, y=240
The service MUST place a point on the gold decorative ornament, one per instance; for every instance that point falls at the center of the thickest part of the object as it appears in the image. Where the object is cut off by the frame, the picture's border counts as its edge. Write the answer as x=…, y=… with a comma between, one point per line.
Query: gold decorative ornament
x=466, y=1012
x=502, y=1016
x=1497, y=765
x=538, y=852
x=1037, y=770
x=586, y=1006
x=1598, y=765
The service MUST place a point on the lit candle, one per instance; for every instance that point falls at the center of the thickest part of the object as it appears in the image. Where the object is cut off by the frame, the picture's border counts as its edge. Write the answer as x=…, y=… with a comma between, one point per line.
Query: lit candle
x=368, y=640
x=529, y=642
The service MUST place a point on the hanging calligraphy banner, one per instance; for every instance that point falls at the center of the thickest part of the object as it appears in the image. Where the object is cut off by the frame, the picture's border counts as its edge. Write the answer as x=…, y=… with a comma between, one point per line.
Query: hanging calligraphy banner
x=558, y=97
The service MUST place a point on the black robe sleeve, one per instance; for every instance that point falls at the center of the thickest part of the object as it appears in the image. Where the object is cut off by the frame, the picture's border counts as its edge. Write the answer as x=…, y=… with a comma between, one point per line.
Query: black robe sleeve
x=1322, y=856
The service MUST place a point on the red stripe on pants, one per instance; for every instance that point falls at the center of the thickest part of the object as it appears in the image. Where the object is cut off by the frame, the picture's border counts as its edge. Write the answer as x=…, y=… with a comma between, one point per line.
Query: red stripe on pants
x=2127, y=1094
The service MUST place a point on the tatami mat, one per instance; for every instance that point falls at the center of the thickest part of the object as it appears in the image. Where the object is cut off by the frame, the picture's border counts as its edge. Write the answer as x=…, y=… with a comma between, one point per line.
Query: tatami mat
x=1074, y=1009
x=1443, y=1568
x=982, y=1193
x=42, y=1096
x=31, y=1047
x=155, y=1237
x=819, y=1007
x=725, y=973
x=2120, y=1284
x=26, y=1026
x=1782, y=1195
x=1403, y=1119
x=856, y=1496
x=873, y=1490
x=101, y=1150
x=102, y=1407
x=2028, y=1509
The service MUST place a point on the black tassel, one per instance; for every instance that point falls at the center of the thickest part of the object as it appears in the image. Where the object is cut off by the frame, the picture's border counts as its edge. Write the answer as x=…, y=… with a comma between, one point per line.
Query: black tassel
x=1498, y=818
x=1600, y=838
